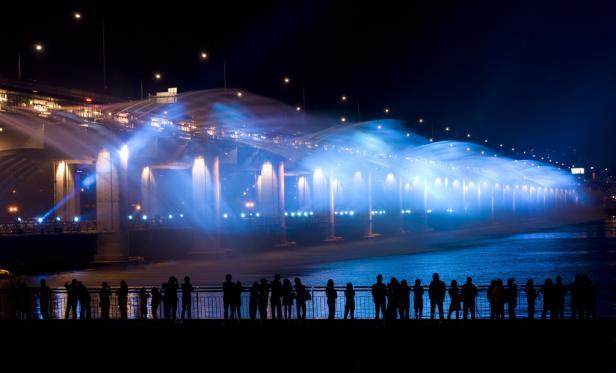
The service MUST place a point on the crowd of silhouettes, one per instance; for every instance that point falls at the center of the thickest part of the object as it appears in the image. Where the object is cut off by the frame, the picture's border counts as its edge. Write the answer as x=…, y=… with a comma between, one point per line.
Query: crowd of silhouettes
x=277, y=299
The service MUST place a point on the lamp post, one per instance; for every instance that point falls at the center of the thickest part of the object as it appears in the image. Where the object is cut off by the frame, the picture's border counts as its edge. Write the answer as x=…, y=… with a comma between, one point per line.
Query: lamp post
x=345, y=98
x=38, y=48
x=287, y=80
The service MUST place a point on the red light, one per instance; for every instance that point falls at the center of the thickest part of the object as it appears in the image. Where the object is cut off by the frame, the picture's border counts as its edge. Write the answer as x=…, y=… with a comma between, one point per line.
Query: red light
x=88, y=99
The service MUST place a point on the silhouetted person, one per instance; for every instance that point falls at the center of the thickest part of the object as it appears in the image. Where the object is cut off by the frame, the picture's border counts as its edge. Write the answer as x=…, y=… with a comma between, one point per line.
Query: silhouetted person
x=71, y=299
x=469, y=297
x=104, y=300
x=393, y=293
x=123, y=300
x=275, y=297
x=143, y=302
x=301, y=296
x=560, y=292
x=405, y=300
x=228, y=290
x=454, y=300
x=496, y=295
x=156, y=298
x=576, y=290
x=549, y=300
x=237, y=302
x=171, y=294
x=85, y=301
x=379, y=294
x=331, y=294
x=263, y=298
x=511, y=297
x=44, y=294
x=287, y=298
x=418, y=293
x=187, y=290
x=436, y=293
x=349, y=301
x=253, y=301
x=531, y=298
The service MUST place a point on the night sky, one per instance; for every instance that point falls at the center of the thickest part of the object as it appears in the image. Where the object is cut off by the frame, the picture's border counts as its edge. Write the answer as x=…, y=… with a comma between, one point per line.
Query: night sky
x=531, y=75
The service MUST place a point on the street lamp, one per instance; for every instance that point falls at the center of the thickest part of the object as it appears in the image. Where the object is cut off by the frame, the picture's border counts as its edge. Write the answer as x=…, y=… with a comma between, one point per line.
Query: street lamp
x=345, y=98
x=287, y=81
x=386, y=110
x=38, y=48
x=77, y=15
x=203, y=55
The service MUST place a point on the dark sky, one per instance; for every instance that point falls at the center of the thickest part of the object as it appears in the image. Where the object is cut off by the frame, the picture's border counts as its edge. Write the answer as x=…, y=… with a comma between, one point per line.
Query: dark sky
x=536, y=74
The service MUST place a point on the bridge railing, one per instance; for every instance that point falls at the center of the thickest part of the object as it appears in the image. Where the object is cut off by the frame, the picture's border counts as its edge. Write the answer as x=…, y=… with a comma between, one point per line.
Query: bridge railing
x=207, y=303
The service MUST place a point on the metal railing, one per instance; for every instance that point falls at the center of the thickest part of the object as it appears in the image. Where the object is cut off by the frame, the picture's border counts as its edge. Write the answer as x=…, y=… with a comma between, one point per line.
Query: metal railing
x=207, y=303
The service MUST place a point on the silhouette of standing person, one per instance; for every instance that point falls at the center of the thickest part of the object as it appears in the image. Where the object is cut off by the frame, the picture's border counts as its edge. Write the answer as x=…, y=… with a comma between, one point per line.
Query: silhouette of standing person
x=104, y=300
x=156, y=298
x=405, y=300
x=263, y=298
x=560, y=292
x=287, y=298
x=349, y=301
x=44, y=294
x=379, y=294
x=331, y=294
x=531, y=297
x=71, y=299
x=253, y=301
x=237, y=303
x=469, y=297
x=143, y=302
x=549, y=303
x=187, y=290
x=301, y=296
x=418, y=293
x=85, y=301
x=393, y=292
x=436, y=293
x=123, y=300
x=172, y=297
x=454, y=300
x=228, y=290
x=276, y=294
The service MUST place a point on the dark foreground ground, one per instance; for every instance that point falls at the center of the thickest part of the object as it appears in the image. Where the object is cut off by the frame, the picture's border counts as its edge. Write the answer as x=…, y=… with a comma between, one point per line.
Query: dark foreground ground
x=313, y=345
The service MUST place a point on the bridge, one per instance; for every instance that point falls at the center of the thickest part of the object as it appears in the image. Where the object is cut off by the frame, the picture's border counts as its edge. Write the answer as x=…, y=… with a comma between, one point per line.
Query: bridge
x=218, y=161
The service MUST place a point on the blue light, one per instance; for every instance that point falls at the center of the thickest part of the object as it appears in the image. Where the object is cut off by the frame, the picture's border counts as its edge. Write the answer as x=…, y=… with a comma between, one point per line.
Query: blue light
x=19, y=220
x=76, y=219
x=293, y=214
x=257, y=214
x=225, y=216
x=450, y=210
x=58, y=218
x=242, y=215
x=170, y=216
x=144, y=217
x=305, y=213
x=351, y=212
x=181, y=215
x=429, y=211
x=130, y=217
x=40, y=220
x=286, y=214
x=311, y=213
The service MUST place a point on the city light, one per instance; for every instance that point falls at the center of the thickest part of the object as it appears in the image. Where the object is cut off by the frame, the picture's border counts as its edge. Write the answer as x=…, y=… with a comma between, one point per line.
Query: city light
x=239, y=94
x=124, y=153
x=157, y=76
x=386, y=110
x=130, y=217
x=298, y=108
x=38, y=47
x=203, y=55
x=420, y=120
x=76, y=219
x=58, y=218
x=170, y=216
x=249, y=204
x=287, y=80
x=144, y=217
x=39, y=220
x=13, y=209
x=343, y=119
x=77, y=15
x=344, y=98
